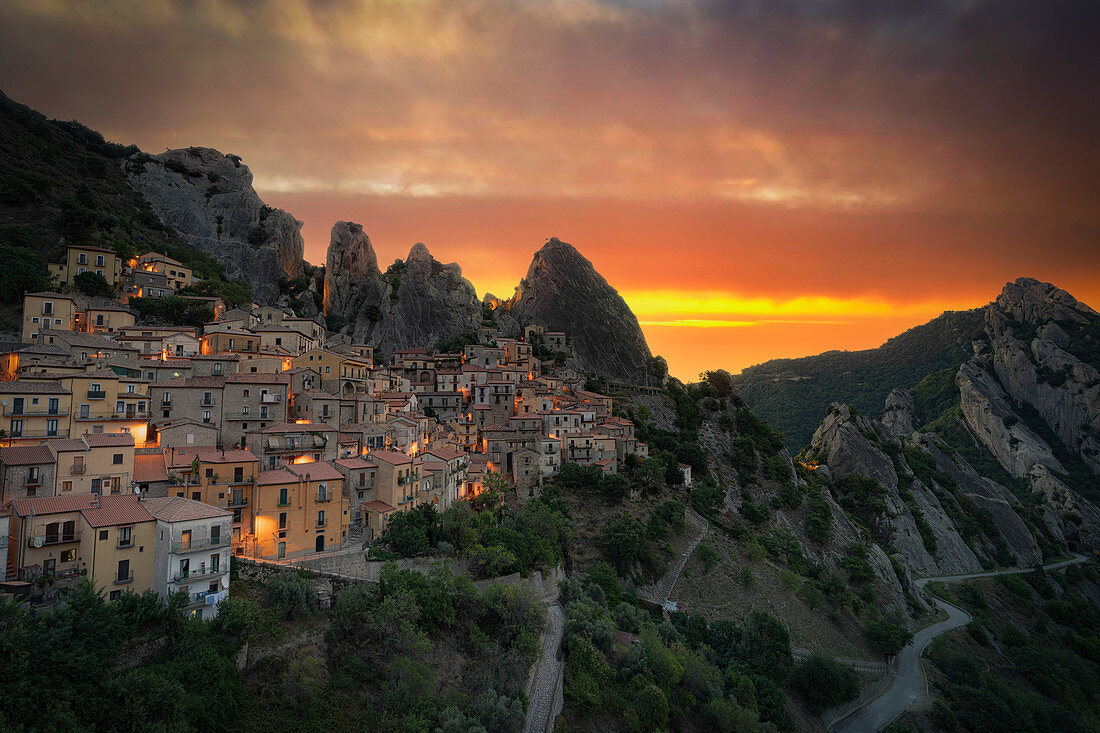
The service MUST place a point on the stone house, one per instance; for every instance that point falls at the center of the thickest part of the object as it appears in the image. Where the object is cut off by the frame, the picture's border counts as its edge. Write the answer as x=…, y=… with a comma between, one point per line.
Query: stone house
x=26, y=471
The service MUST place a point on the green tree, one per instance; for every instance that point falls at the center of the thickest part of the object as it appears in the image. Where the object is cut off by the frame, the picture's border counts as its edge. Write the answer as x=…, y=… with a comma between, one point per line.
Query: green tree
x=92, y=283
x=825, y=683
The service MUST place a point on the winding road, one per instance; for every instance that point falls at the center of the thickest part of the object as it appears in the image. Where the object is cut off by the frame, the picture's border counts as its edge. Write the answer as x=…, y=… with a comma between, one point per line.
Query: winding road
x=906, y=687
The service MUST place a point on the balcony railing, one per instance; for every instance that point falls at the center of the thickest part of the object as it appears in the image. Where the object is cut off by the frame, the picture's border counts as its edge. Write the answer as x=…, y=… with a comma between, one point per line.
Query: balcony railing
x=31, y=411
x=78, y=468
x=120, y=579
x=96, y=394
x=324, y=496
x=271, y=399
x=199, y=573
x=48, y=540
x=201, y=543
x=134, y=414
x=236, y=502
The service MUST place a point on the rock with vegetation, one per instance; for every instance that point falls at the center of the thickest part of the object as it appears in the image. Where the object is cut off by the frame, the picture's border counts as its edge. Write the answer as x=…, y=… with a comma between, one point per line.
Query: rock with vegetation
x=417, y=301
x=208, y=198
x=562, y=291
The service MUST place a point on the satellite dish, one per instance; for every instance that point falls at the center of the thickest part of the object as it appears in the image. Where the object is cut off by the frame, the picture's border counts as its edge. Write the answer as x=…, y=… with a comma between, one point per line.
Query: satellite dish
x=38, y=541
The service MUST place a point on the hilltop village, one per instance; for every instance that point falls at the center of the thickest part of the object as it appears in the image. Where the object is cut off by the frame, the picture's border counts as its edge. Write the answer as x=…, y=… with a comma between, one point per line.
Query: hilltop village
x=144, y=456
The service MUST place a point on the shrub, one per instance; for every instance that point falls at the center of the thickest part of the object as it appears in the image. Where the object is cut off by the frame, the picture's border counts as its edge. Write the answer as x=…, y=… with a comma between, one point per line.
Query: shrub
x=92, y=283
x=886, y=637
x=708, y=555
x=290, y=594
x=624, y=542
x=825, y=683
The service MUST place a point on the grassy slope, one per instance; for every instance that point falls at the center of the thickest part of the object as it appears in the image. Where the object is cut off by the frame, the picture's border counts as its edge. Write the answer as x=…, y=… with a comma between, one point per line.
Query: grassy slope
x=792, y=395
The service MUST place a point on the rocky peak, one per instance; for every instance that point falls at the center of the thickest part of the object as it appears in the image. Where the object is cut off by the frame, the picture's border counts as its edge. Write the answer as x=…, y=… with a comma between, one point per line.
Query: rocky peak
x=563, y=292
x=207, y=197
x=900, y=414
x=350, y=260
x=416, y=302
x=1028, y=300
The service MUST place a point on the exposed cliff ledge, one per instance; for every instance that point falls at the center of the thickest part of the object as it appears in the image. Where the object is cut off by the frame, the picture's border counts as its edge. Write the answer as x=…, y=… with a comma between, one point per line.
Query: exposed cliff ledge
x=208, y=198
x=1027, y=326
x=857, y=445
x=563, y=292
x=418, y=301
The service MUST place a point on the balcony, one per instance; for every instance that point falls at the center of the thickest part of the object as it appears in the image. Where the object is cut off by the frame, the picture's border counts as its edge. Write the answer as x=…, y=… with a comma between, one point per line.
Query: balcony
x=236, y=502
x=78, y=469
x=49, y=540
x=31, y=411
x=271, y=399
x=121, y=579
x=324, y=496
x=166, y=402
x=321, y=522
x=199, y=573
x=203, y=543
x=96, y=394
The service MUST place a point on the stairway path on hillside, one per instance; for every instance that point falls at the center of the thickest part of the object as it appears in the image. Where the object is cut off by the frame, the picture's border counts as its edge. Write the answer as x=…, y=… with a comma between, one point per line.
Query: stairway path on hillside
x=905, y=688
x=545, y=696
x=661, y=592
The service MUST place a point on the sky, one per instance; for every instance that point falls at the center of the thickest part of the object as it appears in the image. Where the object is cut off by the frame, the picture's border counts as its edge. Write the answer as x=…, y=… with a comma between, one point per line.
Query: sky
x=759, y=179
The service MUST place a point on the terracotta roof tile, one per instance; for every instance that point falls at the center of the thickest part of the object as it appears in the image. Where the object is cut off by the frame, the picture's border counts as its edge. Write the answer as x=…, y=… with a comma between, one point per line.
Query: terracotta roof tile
x=26, y=455
x=115, y=510
x=179, y=509
x=149, y=468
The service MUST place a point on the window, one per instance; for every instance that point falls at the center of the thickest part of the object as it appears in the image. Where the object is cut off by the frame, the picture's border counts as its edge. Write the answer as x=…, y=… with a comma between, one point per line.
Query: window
x=53, y=406
x=209, y=473
x=215, y=563
x=123, y=572
x=215, y=533
x=185, y=539
x=32, y=475
x=130, y=388
x=206, y=416
x=99, y=260
x=82, y=259
x=57, y=321
x=66, y=485
x=284, y=497
x=217, y=368
x=238, y=474
x=68, y=555
x=47, y=309
x=321, y=518
x=115, y=595
x=51, y=428
x=282, y=520
x=17, y=428
x=97, y=485
x=125, y=538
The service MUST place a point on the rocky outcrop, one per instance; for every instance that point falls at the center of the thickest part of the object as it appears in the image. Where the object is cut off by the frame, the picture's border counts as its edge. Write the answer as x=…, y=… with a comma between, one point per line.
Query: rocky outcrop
x=900, y=413
x=1072, y=521
x=207, y=197
x=417, y=302
x=1027, y=327
x=857, y=445
x=563, y=292
x=989, y=414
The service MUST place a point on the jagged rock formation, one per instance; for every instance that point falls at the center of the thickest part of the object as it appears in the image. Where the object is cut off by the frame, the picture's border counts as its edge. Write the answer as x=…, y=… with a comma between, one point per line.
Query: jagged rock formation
x=857, y=445
x=989, y=413
x=900, y=413
x=563, y=292
x=416, y=302
x=208, y=198
x=1027, y=327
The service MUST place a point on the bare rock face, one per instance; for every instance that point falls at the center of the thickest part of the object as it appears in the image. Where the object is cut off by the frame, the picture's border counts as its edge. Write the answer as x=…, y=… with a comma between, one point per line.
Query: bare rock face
x=208, y=198
x=1071, y=519
x=1027, y=325
x=900, y=413
x=563, y=292
x=989, y=414
x=415, y=303
x=858, y=445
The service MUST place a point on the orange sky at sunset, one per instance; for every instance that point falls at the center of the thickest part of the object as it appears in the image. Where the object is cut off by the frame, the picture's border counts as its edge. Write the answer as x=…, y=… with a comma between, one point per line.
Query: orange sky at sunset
x=758, y=179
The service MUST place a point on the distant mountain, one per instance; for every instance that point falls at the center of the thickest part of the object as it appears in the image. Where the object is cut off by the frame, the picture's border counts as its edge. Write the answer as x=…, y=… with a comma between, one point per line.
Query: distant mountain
x=792, y=395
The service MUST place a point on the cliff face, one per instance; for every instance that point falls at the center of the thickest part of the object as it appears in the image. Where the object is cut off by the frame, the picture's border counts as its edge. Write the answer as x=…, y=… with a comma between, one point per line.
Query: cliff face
x=416, y=302
x=208, y=198
x=563, y=292
x=1029, y=327
x=908, y=503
